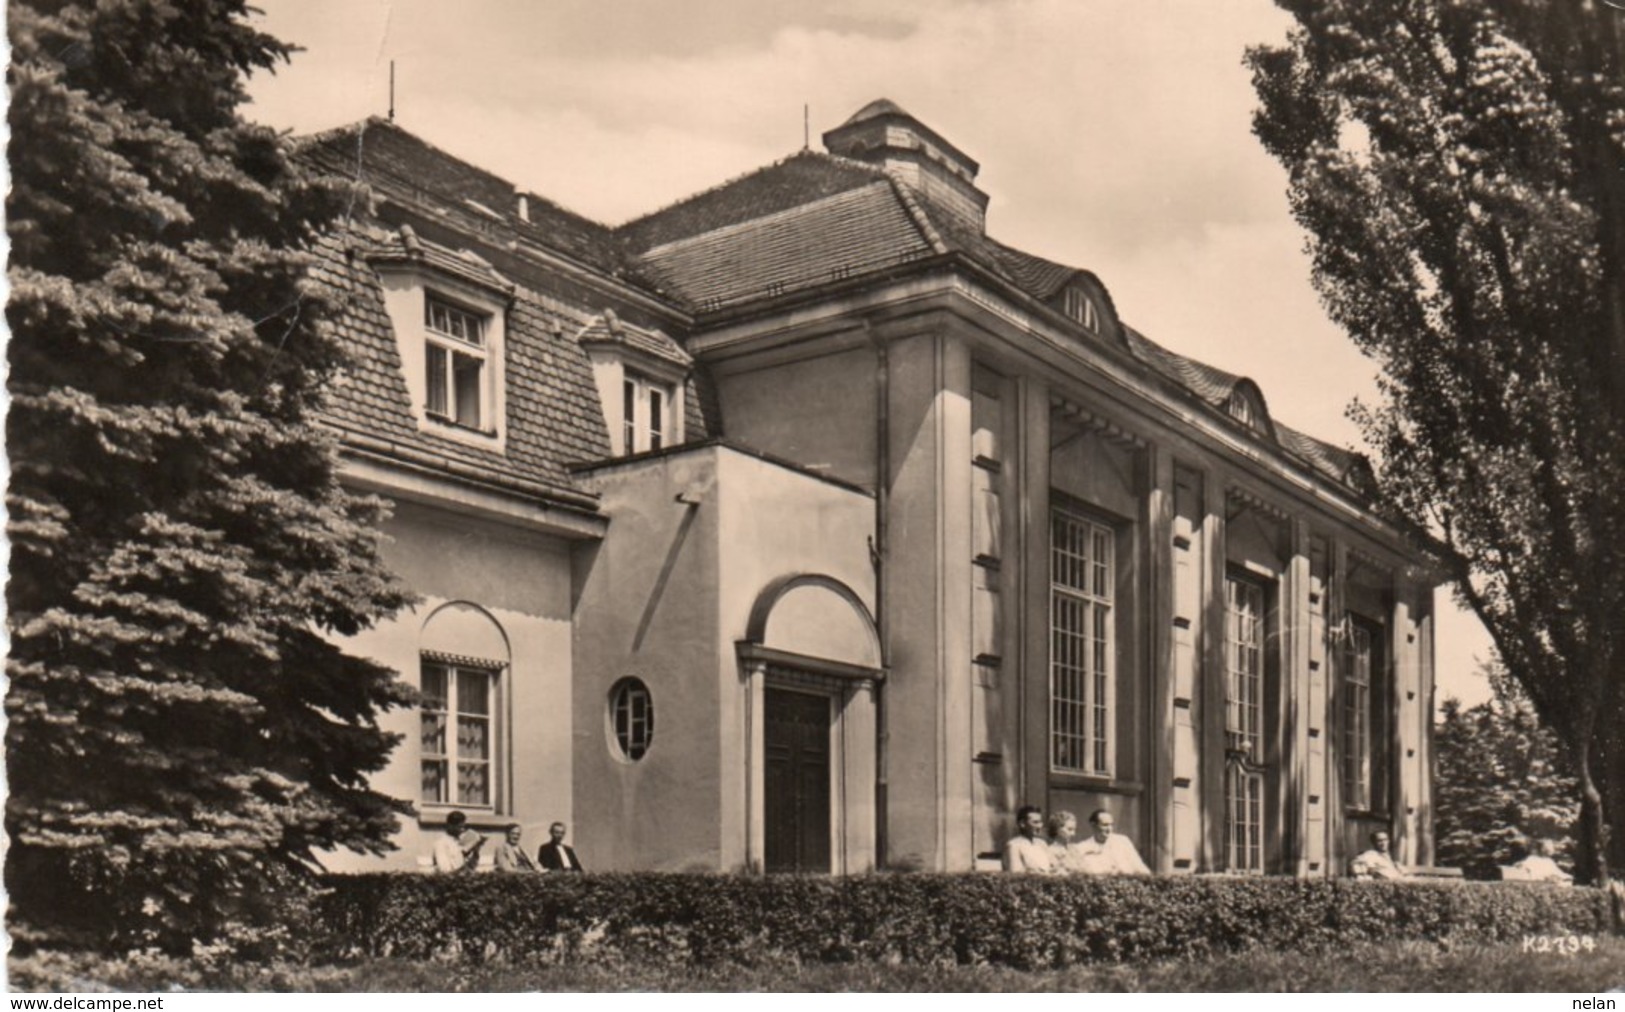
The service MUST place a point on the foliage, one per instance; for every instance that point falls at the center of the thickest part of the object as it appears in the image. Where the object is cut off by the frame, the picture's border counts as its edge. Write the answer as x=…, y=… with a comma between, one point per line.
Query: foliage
x=1383, y=966
x=1501, y=782
x=183, y=732
x=1456, y=163
x=1018, y=921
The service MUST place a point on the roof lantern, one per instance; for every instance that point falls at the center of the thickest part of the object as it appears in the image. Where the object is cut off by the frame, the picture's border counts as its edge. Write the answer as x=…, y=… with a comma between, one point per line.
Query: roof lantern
x=883, y=134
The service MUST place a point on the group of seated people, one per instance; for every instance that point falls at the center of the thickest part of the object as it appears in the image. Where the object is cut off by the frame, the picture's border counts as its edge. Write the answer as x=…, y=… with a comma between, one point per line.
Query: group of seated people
x=1106, y=853
x=1102, y=853
x=459, y=849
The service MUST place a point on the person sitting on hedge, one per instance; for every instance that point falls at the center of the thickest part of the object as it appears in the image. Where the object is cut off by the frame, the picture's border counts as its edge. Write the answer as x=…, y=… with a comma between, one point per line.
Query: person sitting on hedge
x=509, y=855
x=1106, y=852
x=556, y=855
x=1063, y=830
x=459, y=849
x=1538, y=866
x=1376, y=862
x=1027, y=851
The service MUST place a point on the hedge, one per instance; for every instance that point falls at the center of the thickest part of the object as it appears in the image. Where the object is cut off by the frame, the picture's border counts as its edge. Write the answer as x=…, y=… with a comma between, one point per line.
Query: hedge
x=1025, y=922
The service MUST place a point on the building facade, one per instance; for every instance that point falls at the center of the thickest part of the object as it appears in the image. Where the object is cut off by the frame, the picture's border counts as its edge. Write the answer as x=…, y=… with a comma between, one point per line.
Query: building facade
x=802, y=525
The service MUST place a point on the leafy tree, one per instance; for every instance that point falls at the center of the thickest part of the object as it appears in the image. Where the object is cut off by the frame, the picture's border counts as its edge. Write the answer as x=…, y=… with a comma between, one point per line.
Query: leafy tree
x=1502, y=782
x=1460, y=167
x=184, y=731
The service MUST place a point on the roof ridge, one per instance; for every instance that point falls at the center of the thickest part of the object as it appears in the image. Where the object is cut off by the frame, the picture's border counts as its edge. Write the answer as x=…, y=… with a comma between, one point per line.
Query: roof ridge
x=378, y=122
x=737, y=226
x=302, y=141
x=741, y=177
x=916, y=212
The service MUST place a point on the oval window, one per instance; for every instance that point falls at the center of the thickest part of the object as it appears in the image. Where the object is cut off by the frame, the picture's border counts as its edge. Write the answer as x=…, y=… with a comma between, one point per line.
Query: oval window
x=631, y=717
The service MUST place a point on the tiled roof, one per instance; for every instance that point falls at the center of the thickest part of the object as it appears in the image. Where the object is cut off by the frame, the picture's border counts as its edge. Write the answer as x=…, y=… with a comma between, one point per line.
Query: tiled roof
x=404, y=247
x=815, y=218
x=825, y=239
x=378, y=152
x=1216, y=387
x=607, y=328
x=793, y=182
x=553, y=412
x=1352, y=469
x=1211, y=384
x=1034, y=275
x=807, y=220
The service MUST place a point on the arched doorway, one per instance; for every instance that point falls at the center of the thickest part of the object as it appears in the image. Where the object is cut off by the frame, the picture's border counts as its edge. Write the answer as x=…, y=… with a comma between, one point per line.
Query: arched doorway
x=810, y=664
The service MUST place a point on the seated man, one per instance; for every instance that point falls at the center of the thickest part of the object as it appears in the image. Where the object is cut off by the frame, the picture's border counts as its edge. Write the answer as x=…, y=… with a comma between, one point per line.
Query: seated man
x=1105, y=852
x=1376, y=862
x=509, y=855
x=556, y=855
x=1028, y=851
x=1539, y=866
x=459, y=849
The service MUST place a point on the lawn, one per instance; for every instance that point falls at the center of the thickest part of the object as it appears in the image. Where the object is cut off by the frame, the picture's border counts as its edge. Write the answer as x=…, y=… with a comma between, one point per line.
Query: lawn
x=1398, y=966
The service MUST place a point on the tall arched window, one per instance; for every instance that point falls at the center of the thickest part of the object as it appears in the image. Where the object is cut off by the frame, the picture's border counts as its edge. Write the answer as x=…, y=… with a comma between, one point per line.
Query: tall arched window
x=463, y=660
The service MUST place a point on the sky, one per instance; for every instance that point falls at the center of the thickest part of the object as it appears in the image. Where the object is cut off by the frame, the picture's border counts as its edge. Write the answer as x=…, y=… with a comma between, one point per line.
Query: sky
x=1113, y=135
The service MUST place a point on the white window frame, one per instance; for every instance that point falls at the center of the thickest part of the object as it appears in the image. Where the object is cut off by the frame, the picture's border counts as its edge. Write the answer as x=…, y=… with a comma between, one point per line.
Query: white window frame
x=647, y=415
x=1083, y=644
x=452, y=716
x=1244, y=819
x=461, y=334
x=409, y=291
x=1080, y=307
x=1362, y=683
x=1245, y=668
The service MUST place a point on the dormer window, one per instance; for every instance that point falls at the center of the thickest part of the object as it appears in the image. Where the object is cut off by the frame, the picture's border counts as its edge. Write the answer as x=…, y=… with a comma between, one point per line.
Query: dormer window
x=1080, y=308
x=448, y=310
x=1241, y=409
x=645, y=414
x=641, y=374
x=1246, y=405
x=454, y=358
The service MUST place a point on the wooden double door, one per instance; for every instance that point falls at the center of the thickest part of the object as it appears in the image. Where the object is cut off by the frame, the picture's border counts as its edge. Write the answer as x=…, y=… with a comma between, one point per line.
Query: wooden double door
x=797, y=789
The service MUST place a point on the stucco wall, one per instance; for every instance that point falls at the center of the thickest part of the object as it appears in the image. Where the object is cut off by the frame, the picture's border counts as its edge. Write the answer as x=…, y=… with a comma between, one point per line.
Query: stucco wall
x=665, y=597
x=779, y=524
x=645, y=608
x=929, y=587
x=818, y=412
x=521, y=580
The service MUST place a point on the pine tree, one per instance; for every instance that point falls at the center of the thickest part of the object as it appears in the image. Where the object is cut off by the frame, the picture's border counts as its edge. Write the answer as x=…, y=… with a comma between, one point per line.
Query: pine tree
x=1460, y=167
x=185, y=732
x=1502, y=783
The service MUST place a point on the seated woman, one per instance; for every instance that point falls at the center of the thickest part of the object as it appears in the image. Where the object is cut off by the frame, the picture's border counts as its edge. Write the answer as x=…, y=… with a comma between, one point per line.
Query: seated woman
x=1063, y=827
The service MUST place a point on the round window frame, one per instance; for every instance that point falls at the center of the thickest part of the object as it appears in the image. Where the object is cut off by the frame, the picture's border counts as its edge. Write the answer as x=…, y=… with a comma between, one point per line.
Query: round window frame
x=618, y=748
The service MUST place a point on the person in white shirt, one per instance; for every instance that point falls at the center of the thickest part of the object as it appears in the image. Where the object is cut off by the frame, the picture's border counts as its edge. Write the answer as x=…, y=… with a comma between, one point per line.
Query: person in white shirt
x=459, y=848
x=1376, y=863
x=1028, y=851
x=1105, y=852
x=1539, y=866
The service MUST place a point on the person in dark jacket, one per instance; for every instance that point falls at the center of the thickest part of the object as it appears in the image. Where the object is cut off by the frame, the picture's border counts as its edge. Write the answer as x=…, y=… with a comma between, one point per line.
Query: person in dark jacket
x=555, y=855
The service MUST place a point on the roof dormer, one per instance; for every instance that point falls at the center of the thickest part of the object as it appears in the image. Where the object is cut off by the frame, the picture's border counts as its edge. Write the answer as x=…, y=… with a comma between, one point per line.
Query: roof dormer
x=1246, y=405
x=642, y=376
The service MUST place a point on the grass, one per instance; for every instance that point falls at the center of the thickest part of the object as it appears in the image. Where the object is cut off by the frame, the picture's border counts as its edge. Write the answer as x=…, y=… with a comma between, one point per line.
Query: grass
x=1397, y=966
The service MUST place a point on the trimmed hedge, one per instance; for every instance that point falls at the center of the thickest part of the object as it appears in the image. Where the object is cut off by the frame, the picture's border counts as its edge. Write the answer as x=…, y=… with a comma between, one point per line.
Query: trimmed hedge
x=1019, y=921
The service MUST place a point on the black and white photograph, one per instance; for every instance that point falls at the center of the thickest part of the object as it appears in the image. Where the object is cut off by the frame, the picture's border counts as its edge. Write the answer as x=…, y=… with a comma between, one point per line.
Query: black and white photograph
x=838, y=495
